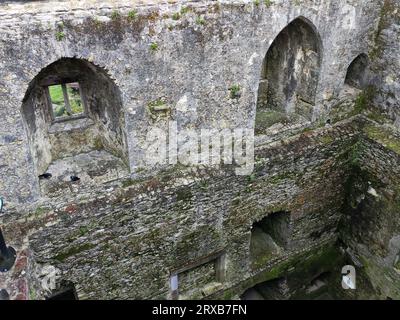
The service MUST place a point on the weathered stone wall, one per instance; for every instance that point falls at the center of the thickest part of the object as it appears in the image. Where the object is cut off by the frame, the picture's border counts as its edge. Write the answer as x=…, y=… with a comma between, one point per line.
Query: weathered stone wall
x=147, y=229
x=124, y=238
x=385, y=61
x=371, y=224
x=192, y=57
x=103, y=125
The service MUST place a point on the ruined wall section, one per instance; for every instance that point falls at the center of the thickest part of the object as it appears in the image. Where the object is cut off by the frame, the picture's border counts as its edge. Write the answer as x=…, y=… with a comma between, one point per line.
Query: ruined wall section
x=385, y=62
x=371, y=215
x=186, y=55
x=147, y=229
x=370, y=225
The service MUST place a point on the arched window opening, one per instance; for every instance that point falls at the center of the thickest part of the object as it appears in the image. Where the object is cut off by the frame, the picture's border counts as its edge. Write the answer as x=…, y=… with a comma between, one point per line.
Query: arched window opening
x=276, y=289
x=357, y=72
x=269, y=238
x=66, y=291
x=75, y=123
x=289, y=76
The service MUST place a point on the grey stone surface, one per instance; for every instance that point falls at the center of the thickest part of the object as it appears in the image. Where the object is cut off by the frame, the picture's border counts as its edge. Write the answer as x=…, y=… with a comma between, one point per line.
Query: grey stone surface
x=120, y=236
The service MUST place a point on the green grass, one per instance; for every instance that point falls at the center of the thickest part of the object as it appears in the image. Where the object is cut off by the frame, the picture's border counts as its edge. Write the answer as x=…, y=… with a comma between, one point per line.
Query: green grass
x=56, y=94
x=57, y=100
x=75, y=100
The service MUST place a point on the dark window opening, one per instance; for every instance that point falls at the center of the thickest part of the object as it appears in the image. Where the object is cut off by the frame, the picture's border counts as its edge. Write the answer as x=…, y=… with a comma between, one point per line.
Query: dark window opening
x=67, y=292
x=357, y=72
x=289, y=77
x=4, y=295
x=199, y=279
x=269, y=237
x=318, y=283
x=276, y=289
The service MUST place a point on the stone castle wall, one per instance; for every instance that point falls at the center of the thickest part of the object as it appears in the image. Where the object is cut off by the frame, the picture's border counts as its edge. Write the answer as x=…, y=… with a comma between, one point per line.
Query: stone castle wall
x=192, y=68
x=125, y=237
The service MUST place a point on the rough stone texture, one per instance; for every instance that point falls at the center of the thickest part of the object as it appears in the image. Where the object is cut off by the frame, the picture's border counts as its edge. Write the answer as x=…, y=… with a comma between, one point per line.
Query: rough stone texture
x=122, y=236
x=371, y=221
x=385, y=61
x=195, y=62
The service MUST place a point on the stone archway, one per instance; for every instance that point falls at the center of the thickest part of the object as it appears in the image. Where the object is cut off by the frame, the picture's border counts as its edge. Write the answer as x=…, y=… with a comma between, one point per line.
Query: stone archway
x=75, y=124
x=290, y=75
x=357, y=75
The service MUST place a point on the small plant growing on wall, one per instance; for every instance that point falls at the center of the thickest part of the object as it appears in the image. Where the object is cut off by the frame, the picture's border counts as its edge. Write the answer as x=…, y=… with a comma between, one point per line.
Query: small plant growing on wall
x=153, y=46
x=115, y=15
x=132, y=15
x=251, y=178
x=234, y=91
x=184, y=10
x=97, y=22
x=200, y=21
x=60, y=35
x=176, y=16
x=256, y=2
x=158, y=109
x=268, y=3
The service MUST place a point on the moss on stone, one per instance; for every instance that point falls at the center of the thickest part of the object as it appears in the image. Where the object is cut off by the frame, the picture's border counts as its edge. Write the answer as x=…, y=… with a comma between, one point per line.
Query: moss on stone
x=41, y=211
x=326, y=139
x=73, y=251
x=376, y=115
x=300, y=266
x=128, y=182
x=365, y=100
x=98, y=144
x=83, y=230
x=32, y=294
x=384, y=21
x=384, y=137
x=267, y=118
x=282, y=176
x=184, y=194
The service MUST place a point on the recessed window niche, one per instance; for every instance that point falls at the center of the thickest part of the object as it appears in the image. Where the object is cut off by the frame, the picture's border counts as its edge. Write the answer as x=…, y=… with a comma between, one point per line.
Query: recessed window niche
x=269, y=238
x=75, y=124
x=289, y=77
x=198, y=279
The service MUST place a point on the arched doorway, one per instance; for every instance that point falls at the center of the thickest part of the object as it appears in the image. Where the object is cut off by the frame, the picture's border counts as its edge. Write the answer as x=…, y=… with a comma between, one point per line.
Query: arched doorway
x=289, y=76
x=357, y=72
x=75, y=122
